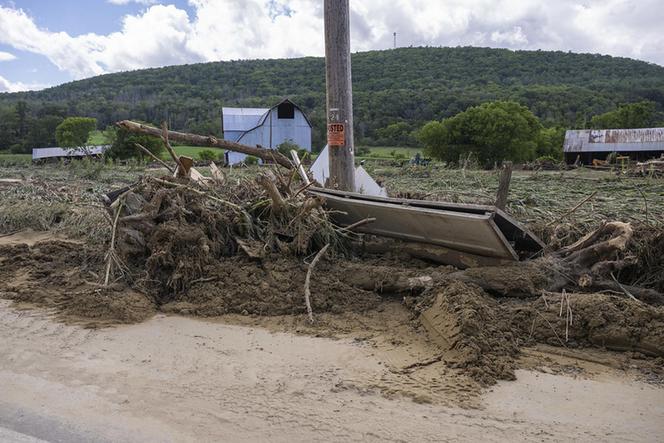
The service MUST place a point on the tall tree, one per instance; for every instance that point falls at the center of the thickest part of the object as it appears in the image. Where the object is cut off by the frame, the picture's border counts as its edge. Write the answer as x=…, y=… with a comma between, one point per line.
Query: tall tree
x=493, y=131
x=75, y=131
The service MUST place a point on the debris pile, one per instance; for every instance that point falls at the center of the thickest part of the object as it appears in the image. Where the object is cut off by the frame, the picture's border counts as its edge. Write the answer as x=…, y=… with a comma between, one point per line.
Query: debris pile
x=230, y=248
x=650, y=168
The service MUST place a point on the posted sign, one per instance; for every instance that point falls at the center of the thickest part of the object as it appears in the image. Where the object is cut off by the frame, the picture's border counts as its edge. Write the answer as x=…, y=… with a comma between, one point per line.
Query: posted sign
x=336, y=134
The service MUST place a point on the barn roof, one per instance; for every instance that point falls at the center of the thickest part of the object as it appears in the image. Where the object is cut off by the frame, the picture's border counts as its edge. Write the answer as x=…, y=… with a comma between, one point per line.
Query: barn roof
x=614, y=140
x=246, y=119
x=242, y=119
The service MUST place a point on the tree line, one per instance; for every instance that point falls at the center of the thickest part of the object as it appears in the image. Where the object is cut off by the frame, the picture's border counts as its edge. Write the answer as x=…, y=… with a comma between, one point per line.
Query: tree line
x=396, y=93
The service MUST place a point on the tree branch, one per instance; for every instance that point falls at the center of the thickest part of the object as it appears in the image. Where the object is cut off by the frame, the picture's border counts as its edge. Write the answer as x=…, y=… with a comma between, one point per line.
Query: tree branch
x=200, y=140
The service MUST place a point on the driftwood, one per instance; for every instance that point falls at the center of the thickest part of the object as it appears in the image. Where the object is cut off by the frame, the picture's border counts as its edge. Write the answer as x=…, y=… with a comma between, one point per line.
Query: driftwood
x=217, y=175
x=269, y=155
x=111, y=256
x=268, y=183
x=571, y=211
x=307, y=282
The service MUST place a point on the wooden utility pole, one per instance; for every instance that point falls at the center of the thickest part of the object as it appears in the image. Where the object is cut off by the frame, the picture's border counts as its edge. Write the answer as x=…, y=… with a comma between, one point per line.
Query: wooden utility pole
x=340, y=143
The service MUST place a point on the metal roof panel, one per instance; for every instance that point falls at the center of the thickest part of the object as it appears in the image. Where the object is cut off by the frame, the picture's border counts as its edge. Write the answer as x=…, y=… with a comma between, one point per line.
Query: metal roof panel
x=242, y=119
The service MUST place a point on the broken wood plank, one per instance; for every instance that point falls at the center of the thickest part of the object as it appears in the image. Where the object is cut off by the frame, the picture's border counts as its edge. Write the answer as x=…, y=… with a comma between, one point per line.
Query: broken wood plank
x=216, y=173
x=300, y=168
x=184, y=166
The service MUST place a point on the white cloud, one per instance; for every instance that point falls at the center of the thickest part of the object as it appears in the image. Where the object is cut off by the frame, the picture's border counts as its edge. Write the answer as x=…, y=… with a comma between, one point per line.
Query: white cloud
x=125, y=2
x=6, y=56
x=67, y=53
x=8, y=86
x=241, y=29
x=513, y=37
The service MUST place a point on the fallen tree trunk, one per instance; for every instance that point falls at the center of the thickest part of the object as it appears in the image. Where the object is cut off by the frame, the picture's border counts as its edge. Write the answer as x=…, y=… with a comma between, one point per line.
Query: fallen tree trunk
x=208, y=141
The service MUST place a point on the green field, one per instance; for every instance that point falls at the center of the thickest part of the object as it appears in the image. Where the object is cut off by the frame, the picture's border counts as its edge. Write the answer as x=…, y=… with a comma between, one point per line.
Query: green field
x=97, y=138
x=15, y=159
x=390, y=152
x=192, y=151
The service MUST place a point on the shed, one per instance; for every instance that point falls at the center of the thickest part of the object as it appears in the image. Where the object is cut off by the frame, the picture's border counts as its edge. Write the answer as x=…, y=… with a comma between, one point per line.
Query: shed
x=56, y=152
x=589, y=144
x=265, y=127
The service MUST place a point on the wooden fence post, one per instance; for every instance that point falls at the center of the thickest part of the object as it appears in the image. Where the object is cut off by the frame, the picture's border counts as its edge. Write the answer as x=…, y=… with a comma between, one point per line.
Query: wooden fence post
x=504, y=185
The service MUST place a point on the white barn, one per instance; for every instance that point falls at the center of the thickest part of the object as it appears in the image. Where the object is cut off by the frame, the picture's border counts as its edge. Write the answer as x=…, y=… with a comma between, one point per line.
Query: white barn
x=265, y=127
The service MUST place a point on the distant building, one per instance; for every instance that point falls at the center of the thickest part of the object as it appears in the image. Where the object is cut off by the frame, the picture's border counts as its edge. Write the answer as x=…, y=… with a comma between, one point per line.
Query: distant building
x=265, y=127
x=55, y=153
x=589, y=144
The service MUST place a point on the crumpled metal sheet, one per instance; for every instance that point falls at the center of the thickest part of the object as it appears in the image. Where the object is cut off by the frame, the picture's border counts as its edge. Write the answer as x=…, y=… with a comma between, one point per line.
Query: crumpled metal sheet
x=476, y=229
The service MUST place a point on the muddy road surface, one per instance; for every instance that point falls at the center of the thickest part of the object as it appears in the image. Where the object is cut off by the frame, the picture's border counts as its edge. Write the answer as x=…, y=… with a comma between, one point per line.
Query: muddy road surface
x=180, y=379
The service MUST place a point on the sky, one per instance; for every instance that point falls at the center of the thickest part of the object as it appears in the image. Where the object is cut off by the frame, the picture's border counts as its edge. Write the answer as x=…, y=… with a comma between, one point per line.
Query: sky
x=48, y=42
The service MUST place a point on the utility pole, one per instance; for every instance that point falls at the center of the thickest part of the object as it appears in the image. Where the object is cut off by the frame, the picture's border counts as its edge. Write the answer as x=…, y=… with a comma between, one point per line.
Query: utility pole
x=340, y=142
x=395, y=40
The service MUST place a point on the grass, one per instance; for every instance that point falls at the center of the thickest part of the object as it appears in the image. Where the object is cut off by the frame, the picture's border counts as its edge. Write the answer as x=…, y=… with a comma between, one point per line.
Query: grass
x=15, y=159
x=97, y=138
x=386, y=152
x=192, y=151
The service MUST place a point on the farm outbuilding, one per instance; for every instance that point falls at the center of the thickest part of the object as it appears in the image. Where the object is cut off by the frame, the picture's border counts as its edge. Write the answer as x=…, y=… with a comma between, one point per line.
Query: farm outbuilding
x=590, y=144
x=265, y=127
x=57, y=152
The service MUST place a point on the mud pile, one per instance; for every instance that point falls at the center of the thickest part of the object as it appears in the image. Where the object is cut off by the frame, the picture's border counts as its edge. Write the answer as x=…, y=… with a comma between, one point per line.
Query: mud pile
x=578, y=320
x=64, y=275
x=272, y=287
x=464, y=321
x=483, y=334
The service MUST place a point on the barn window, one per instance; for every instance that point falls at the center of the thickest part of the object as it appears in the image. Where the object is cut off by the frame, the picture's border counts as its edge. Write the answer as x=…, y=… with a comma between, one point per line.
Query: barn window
x=286, y=110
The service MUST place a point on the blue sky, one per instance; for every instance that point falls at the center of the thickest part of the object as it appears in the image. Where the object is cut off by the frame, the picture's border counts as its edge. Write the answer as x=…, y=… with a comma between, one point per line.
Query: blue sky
x=75, y=17
x=48, y=42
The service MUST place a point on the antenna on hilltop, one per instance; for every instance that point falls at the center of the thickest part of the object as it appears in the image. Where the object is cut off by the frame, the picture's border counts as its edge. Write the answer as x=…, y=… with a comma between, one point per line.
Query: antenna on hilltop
x=395, y=40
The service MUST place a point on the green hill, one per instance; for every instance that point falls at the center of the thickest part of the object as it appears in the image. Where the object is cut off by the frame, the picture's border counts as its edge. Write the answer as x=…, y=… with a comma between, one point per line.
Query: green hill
x=407, y=85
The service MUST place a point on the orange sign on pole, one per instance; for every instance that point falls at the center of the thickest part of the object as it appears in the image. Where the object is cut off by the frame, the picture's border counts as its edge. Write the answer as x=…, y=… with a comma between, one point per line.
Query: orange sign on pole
x=336, y=134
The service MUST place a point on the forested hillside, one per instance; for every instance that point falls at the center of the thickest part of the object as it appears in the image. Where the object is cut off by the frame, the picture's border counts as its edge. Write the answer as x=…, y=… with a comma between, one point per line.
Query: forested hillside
x=407, y=86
